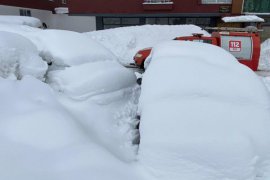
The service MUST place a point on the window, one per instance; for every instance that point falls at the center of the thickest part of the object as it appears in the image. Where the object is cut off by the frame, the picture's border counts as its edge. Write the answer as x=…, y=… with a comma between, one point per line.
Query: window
x=25, y=12
x=114, y=22
x=216, y=1
x=130, y=21
x=161, y=21
x=111, y=21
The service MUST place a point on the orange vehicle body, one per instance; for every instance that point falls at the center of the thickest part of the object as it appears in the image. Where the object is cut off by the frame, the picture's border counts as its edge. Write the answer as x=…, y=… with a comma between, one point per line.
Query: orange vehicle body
x=244, y=46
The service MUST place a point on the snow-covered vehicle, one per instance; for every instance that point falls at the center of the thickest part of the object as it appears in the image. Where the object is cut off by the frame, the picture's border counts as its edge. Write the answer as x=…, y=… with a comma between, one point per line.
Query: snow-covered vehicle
x=208, y=120
x=243, y=43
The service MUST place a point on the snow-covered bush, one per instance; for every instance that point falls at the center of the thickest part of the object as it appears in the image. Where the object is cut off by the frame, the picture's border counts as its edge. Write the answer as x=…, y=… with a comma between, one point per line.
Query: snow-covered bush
x=125, y=42
x=203, y=115
x=19, y=57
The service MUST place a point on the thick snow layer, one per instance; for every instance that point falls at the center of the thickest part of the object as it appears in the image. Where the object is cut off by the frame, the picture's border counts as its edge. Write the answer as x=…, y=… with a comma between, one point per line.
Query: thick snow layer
x=19, y=57
x=40, y=139
x=265, y=56
x=266, y=81
x=86, y=80
x=19, y=29
x=246, y=18
x=103, y=97
x=125, y=42
x=21, y=20
x=67, y=48
x=203, y=115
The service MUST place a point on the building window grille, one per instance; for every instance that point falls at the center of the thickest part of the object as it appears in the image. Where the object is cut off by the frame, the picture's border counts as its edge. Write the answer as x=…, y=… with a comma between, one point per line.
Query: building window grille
x=158, y=2
x=216, y=1
x=25, y=12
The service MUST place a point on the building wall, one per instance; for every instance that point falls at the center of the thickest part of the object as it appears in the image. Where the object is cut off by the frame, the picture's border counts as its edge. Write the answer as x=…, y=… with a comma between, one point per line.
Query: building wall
x=237, y=6
x=55, y=21
x=136, y=7
x=35, y=4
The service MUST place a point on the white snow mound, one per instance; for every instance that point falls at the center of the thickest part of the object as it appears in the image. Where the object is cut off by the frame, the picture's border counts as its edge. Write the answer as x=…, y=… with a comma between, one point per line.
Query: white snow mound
x=124, y=42
x=21, y=20
x=19, y=57
x=265, y=56
x=67, y=48
x=246, y=18
x=86, y=80
x=40, y=139
x=203, y=115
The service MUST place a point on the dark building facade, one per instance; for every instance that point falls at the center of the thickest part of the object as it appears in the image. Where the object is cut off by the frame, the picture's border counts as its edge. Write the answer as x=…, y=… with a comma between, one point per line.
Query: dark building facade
x=35, y=4
x=119, y=13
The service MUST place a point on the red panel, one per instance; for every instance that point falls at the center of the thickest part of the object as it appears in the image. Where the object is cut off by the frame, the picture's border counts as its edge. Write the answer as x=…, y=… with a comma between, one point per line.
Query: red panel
x=35, y=4
x=136, y=7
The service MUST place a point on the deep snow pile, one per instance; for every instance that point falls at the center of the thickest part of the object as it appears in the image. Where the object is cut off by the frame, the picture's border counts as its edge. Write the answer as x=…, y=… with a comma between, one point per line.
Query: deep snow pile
x=90, y=79
x=41, y=140
x=203, y=116
x=265, y=56
x=93, y=86
x=266, y=81
x=246, y=18
x=67, y=48
x=84, y=131
x=21, y=20
x=19, y=57
x=125, y=42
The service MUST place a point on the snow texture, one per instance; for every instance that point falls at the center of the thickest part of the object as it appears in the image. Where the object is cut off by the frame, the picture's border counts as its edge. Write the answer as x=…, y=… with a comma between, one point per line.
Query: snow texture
x=67, y=48
x=266, y=81
x=125, y=42
x=203, y=115
x=246, y=18
x=19, y=57
x=41, y=140
x=21, y=20
x=265, y=56
x=86, y=80
x=82, y=124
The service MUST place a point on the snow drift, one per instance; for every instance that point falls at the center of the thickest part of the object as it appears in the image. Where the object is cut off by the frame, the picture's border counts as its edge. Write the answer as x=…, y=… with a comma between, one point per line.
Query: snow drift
x=265, y=56
x=40, y=139
x=86, y=80
x=21, y=20
x=67, y=48
x=19, y=57
x=125, y=42
x=203, y=115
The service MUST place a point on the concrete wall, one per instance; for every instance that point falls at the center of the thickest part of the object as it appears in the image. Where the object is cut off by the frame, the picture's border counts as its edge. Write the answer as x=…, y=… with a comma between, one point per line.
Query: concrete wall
x=56, y=21
x=73, y=23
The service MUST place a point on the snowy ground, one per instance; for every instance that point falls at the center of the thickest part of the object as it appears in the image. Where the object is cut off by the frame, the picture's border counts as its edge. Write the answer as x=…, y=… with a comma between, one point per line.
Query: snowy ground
x=76, y=118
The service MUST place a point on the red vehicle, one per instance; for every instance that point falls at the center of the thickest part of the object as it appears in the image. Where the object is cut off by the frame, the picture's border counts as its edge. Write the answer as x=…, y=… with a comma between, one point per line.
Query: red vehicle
x=243, y=43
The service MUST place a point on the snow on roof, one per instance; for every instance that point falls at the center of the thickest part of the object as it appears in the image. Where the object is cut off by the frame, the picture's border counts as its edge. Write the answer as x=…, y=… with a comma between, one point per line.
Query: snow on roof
x=249, y=18
x=21, y=20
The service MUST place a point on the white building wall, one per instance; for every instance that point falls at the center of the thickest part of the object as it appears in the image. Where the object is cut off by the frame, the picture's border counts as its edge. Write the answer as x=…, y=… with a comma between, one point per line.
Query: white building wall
x=56, y=21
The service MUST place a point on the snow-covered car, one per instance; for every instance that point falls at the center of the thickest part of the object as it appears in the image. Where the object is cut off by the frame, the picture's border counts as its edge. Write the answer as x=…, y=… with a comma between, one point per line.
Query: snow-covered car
x=203, y=115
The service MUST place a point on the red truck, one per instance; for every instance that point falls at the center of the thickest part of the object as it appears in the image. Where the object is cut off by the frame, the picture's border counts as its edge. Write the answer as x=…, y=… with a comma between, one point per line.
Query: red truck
x=243, y=43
